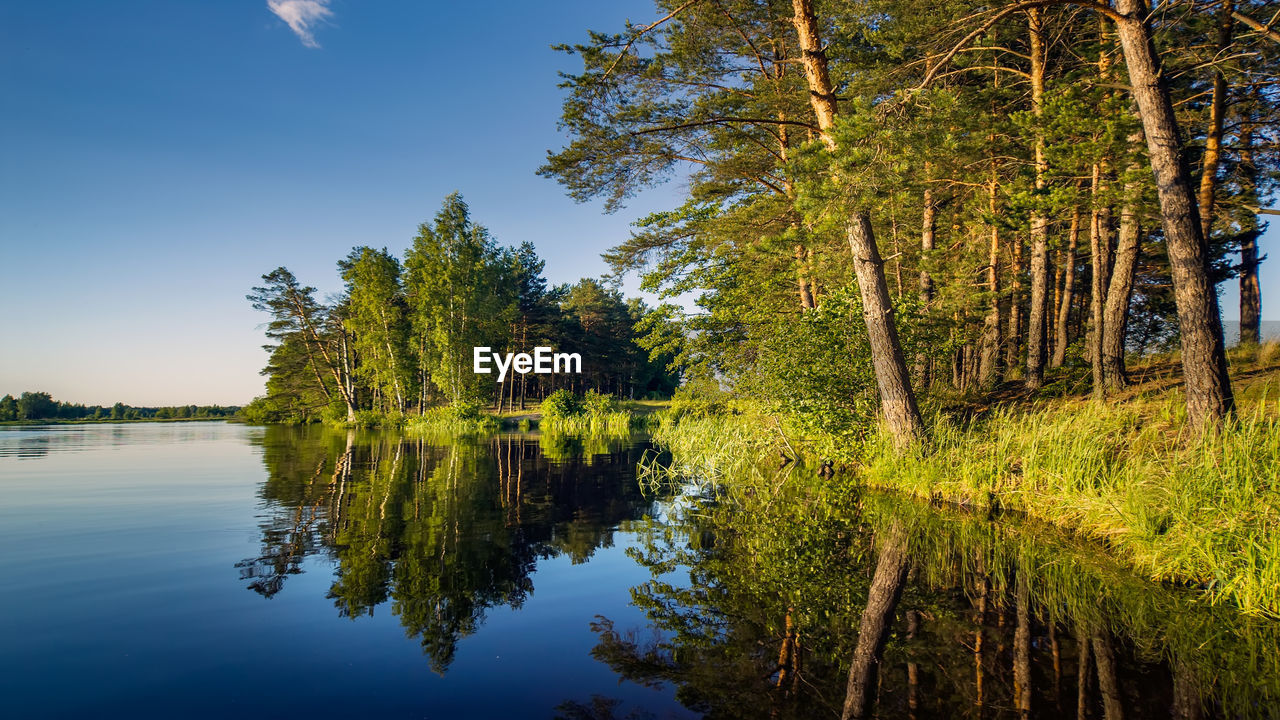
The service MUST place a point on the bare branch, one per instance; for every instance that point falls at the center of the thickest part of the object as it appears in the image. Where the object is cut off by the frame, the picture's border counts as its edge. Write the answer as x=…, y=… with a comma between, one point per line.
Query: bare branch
x=1265, y=30
x=1000, y=15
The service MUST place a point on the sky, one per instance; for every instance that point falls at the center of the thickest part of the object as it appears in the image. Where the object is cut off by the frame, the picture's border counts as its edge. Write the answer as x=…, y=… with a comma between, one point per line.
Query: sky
x=157, y=157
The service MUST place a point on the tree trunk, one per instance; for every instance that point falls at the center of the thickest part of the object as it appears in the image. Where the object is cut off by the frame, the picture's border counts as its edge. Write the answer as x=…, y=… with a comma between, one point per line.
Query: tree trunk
x=1115, y=315
x=1108, y=682
x=806, y=294
x=1061, y=338
x=1213, y=138
x=1022, y=649
x=892, y=565
x=1100, y=272
x=980, y=623
x=1204, y=362
x=896, y=396
x=1013, y=349
x=1083, y=648
x=1187, y=704
x=928, y=228
x=989, y=360
x=1250, y=290
x=1037, y=316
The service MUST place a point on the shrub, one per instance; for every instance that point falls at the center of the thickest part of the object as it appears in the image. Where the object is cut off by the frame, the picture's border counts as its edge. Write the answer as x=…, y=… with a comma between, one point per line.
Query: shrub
x=594, y=403
x=561, y=404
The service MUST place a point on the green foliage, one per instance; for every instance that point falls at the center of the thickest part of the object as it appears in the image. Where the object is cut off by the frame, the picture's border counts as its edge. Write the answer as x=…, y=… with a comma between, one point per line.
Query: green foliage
x=41, y=407
x=594, y=403
x=462, y=420
x=376, y=316
x=400, y=340
x=459, y=299
x=700, y=398
x=561, y=404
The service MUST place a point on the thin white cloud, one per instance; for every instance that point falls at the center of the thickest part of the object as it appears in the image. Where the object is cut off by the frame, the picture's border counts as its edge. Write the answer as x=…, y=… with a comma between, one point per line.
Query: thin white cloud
x=301, y=16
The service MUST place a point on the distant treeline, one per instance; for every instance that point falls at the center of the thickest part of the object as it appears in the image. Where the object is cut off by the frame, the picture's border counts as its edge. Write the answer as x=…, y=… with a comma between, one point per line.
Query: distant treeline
x=42, y=406
x=399, y=339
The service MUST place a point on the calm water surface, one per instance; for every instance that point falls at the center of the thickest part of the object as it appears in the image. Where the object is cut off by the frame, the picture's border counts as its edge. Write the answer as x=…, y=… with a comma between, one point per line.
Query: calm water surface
x=214, y=570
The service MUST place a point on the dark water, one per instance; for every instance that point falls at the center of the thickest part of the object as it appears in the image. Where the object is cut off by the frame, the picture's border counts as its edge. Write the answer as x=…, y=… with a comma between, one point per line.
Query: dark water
x=214, y=570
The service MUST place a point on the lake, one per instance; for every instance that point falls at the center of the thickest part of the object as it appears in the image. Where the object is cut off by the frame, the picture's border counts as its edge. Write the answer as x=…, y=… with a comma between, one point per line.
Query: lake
x=214, y=570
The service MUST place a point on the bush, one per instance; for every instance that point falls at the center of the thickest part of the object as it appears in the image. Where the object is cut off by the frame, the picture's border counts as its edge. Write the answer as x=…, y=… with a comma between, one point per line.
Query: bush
x=461, y=419
x=698, y=399
x=561, y=404
x=594, y=403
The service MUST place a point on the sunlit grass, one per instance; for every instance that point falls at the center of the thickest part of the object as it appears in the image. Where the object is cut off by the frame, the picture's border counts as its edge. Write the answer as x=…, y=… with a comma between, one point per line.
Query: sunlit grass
x=1174, y=504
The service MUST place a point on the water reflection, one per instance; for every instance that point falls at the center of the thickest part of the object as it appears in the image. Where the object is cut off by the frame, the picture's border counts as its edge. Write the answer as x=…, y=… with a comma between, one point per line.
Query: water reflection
x=443, y=529
x=788, y=598
x=812, y=601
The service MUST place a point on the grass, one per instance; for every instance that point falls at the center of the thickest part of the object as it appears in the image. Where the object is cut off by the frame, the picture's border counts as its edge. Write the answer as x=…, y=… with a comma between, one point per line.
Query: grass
x=444, y=420
x=617, y=421
x=1172, y=504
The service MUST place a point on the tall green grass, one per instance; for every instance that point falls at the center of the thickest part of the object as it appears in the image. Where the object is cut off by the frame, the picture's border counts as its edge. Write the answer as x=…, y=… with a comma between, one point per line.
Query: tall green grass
x=1173, y=504
x=447, y=421
x=616, y=421
x=712, y=448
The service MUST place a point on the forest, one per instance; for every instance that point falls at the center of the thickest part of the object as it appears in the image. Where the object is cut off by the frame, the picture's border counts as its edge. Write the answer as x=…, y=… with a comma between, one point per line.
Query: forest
x=399, y=340
x=967, y=252
x=34, y=406
x=896, y=200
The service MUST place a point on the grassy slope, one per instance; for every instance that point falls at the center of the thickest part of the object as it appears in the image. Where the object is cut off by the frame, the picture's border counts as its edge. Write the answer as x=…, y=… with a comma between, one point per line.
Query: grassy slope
x=1174, y=505
x=1126, y=473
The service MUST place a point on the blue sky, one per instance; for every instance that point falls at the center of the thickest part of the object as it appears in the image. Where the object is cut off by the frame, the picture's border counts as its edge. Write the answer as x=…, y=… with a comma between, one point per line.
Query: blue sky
x=159, y=156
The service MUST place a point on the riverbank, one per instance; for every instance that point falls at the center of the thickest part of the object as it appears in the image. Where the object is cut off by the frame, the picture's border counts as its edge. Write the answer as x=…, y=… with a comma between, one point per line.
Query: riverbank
x=618, y=415
x=1129, y=475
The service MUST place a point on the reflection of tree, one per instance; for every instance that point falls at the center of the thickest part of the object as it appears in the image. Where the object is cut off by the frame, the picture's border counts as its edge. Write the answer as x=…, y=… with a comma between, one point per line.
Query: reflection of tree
x=599, y=708
x=297, y=461
x=789, y=609
x=444, y=530
x=892, y=565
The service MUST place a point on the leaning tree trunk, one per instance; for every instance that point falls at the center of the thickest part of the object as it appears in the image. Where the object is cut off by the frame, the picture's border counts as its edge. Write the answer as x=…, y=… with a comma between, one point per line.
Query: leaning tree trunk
x=1204, y=362
x=1038, y=314
x=896, y=397
x=892, y=565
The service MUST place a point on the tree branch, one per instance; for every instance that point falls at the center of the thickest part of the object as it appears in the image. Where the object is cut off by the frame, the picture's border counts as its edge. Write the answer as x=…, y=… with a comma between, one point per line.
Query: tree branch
x=1266, y=31
x=724, y=121
x=1003, y=13
x=642, y=32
